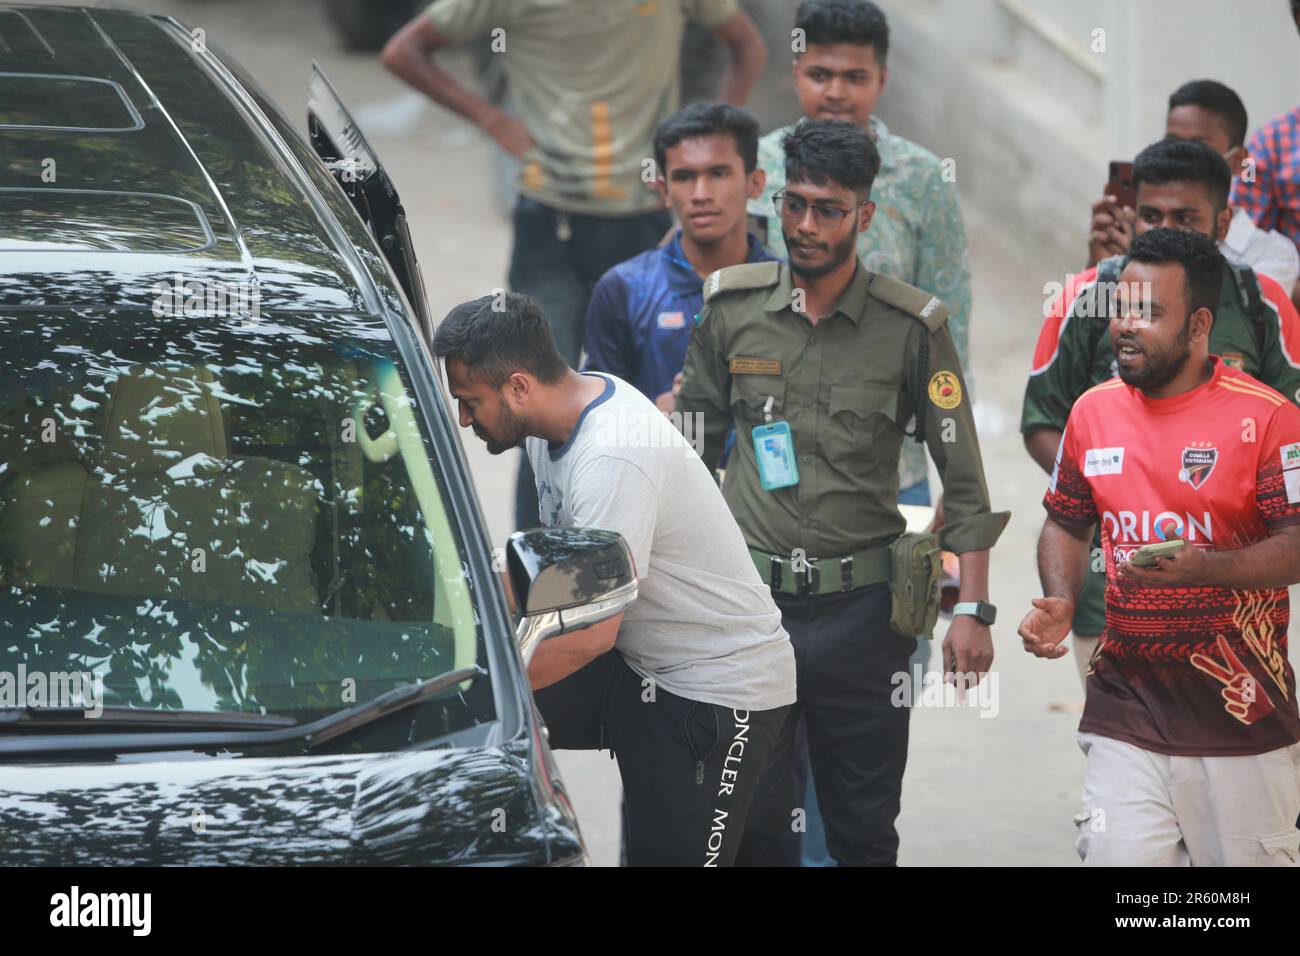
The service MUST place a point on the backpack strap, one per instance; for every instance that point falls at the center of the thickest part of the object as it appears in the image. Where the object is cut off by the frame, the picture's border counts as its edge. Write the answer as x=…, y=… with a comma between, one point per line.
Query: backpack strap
x=1108, y=271
x=1252, y=300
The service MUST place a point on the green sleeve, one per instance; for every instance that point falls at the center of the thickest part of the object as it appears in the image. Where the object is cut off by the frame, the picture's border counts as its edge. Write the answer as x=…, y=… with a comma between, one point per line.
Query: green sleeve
x=706, y=385
x=1053, y=388
x=1275, y=370
x=969, y=524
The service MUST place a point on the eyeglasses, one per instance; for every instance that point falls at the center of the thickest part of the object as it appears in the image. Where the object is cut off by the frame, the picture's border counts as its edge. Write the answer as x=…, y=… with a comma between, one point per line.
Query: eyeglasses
x=792, y=207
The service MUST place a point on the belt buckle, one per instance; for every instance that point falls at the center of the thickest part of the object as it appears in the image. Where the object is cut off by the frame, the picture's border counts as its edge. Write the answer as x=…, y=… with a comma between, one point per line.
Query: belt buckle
x=774, y=573
x=846, y=573
x=810, y=578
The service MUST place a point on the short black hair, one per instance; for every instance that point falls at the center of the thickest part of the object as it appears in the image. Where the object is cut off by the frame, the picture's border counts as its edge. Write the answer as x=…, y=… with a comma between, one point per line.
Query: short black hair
x=1218, y=99
x=498, y=335
x=1203, y=264
x=835, y=151
x=1184, y=160
x=860, y=22
x=708, y=119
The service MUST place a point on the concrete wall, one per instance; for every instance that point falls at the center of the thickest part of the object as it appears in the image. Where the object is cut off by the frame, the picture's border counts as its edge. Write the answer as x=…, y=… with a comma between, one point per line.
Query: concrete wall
x=1033, y=97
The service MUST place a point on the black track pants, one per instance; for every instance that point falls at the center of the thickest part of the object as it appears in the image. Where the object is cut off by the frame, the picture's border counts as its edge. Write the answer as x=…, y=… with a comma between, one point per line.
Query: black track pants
x=689, y=769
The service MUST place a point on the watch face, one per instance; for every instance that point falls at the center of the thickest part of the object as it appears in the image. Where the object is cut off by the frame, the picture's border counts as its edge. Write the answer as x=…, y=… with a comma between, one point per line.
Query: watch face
x=987, y=613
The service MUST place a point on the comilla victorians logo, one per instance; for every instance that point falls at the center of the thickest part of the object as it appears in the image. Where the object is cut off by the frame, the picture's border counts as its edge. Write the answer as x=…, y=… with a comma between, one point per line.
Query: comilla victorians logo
x=1198, y=462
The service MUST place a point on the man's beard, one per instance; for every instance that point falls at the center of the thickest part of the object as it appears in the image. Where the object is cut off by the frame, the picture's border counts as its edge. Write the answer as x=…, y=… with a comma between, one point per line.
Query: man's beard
x=840, y=253
x=513, y=428
x=1159, y=368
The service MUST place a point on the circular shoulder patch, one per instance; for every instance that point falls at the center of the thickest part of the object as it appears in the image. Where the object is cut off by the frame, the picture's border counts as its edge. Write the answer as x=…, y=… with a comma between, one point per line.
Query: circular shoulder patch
x=945, y=390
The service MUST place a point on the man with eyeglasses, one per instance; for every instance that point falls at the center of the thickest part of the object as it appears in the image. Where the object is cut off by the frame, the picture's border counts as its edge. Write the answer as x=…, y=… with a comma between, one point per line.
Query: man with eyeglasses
x=820, y=363
x=839, y=72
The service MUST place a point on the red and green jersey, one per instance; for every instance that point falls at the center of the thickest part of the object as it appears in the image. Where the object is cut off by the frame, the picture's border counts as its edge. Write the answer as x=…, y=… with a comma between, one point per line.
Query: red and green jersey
x=1070, y=357
x=1187, y=671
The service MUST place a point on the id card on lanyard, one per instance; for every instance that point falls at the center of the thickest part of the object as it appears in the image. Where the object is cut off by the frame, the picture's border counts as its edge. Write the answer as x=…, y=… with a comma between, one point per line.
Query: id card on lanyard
x=774, y=451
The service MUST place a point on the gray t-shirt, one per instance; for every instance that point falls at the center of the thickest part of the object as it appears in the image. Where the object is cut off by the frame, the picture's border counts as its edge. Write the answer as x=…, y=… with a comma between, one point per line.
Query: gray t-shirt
x=704, y=625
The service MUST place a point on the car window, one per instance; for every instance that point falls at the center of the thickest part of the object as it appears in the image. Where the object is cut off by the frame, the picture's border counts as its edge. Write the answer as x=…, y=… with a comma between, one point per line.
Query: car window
x=216, y=516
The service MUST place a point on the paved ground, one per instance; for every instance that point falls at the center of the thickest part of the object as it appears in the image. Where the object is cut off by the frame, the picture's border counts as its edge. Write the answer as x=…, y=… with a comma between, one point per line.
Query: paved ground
x=978, y=791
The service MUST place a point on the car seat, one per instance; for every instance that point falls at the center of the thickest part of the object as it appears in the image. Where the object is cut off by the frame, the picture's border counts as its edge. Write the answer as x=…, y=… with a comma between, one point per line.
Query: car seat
x=159, y=507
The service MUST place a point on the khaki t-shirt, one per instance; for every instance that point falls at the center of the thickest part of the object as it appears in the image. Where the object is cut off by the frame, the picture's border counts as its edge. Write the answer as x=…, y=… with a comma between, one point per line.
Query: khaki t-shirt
x=591, y=80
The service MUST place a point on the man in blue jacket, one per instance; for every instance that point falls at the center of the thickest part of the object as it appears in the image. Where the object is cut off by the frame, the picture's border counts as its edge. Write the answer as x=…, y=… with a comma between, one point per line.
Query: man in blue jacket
x=642, y=311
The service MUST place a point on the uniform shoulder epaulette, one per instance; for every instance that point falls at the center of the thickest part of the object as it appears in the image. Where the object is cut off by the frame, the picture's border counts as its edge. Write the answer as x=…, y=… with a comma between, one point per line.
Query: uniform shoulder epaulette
x=908, y=298
x=750, y=275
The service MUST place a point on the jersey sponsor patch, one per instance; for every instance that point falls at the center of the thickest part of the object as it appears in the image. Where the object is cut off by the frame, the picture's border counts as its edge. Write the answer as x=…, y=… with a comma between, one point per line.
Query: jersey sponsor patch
x=1198, y=462
x=671, y=320
x=1292, y=485
x=1103, y=461
x=1291, y=455
x=745, y=365
x=945, y=390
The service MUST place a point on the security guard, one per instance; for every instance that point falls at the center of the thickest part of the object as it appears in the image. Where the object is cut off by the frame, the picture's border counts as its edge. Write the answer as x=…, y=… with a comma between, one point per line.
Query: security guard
x=819, y=364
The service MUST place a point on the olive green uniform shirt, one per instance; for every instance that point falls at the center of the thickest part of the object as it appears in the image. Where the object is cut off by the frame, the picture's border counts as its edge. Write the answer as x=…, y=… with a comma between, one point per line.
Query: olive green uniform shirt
x=847, y=385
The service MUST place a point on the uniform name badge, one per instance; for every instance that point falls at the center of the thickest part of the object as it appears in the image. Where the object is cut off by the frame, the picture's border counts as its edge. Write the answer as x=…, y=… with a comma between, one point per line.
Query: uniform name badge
x=774, y=452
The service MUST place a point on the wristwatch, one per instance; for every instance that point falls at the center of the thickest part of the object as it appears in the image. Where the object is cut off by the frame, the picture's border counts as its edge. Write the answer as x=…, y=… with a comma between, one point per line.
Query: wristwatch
x=982, y=611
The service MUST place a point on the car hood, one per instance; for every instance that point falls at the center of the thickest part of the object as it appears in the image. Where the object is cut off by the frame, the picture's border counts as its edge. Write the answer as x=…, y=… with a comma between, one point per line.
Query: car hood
x=468, y=806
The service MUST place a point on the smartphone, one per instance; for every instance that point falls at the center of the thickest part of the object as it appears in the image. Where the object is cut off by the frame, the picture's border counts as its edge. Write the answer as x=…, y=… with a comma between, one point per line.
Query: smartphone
x=1145, y=556
x=1120, y=184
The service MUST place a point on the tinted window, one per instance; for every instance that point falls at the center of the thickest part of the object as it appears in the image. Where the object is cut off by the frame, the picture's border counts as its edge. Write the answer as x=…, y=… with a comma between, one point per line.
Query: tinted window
x=215, y=517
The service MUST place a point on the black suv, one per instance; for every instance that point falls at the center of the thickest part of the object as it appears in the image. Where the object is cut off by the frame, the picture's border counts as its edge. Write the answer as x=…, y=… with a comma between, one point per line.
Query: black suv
x=248, y=609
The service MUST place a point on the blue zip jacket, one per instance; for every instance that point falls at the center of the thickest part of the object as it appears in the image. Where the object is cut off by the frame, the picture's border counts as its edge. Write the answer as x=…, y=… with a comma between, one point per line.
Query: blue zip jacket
x=641, y=314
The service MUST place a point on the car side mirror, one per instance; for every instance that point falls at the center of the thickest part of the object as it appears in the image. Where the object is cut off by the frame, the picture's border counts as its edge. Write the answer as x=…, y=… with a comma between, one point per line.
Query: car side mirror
x=566, y=579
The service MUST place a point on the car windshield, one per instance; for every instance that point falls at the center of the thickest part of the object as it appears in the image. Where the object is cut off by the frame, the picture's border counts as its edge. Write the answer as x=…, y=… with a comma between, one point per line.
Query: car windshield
x=216, y=515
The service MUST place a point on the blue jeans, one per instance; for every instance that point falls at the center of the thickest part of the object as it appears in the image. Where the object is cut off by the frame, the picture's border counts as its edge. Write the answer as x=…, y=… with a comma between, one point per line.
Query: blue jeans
x=814, y=851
